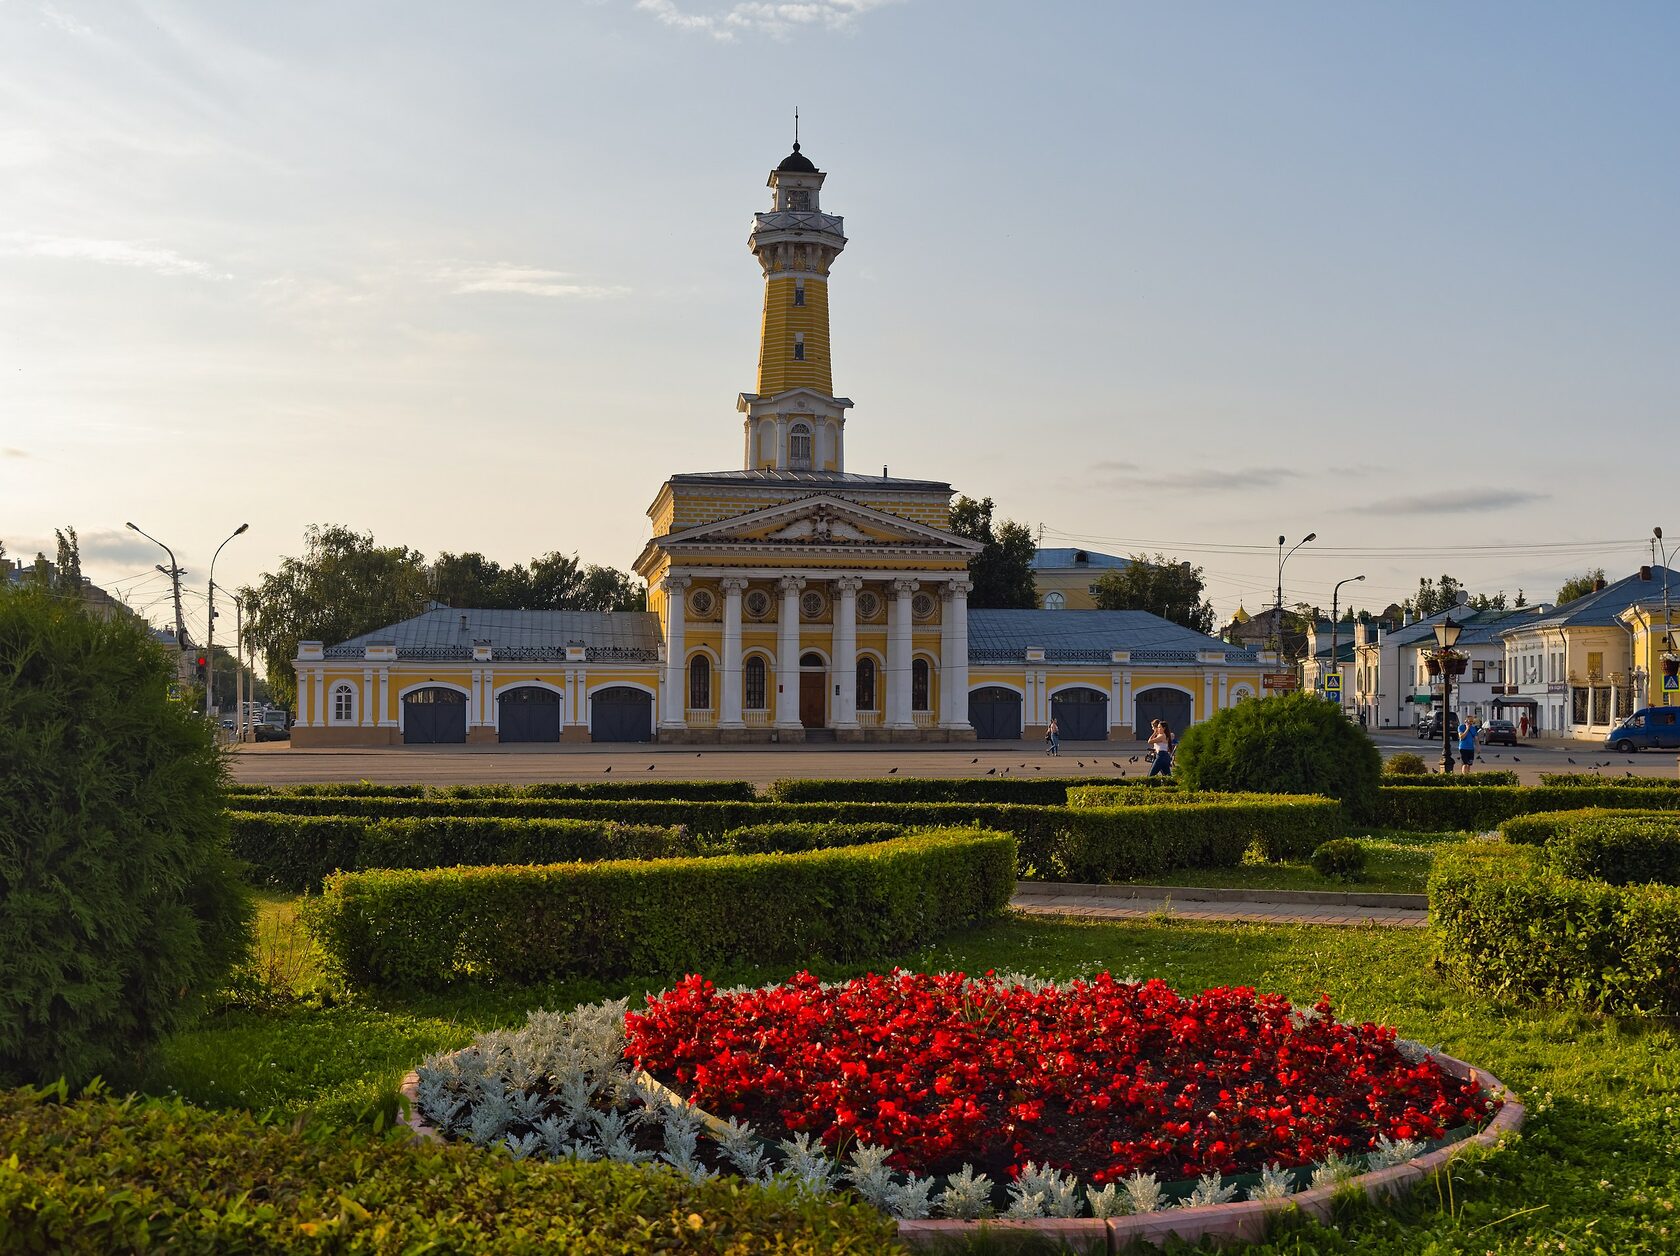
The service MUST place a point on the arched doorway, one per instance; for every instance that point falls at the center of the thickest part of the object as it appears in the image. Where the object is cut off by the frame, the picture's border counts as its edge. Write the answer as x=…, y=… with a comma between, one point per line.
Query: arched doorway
x=995, y=713
x=1080, y=714
x=528, y=713
x=813, y=690
x=621, y=714
x=1171, y=705
x=434, y=717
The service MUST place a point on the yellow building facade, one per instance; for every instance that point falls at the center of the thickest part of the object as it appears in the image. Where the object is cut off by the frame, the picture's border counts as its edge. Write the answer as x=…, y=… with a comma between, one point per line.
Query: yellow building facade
x=788, y=600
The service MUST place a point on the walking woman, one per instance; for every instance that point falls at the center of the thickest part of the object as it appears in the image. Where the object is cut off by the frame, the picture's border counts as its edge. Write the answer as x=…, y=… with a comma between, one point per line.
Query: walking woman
x=1162, y=743
x=1053, y=736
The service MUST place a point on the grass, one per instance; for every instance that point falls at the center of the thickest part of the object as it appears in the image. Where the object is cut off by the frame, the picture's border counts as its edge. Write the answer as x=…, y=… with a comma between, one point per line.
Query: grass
x=1596, y=1170
x=1396, y=863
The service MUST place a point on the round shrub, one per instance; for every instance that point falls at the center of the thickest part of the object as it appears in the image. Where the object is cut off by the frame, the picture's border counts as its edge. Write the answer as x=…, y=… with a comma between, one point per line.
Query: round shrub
x=1340, y=859
x=1406, y=764
x=119, y=900
x=1296, y=744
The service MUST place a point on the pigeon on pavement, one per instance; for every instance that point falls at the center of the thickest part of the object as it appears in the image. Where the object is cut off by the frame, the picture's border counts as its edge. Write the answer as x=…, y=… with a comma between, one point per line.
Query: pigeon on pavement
x=890, y=771
x=608, y=768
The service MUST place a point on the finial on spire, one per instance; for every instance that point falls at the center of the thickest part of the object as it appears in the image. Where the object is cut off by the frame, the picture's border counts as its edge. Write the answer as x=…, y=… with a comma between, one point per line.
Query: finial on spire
x=796, y=128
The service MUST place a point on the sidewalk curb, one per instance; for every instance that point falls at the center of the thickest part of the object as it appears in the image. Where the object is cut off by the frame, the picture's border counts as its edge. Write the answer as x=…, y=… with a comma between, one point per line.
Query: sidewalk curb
x=1203, y=894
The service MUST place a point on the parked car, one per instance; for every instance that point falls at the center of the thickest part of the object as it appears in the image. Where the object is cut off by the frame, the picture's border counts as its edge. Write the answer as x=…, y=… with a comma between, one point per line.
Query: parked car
x=1652, y=728
x=270, y=732
x=1430, y=727
x=1500, y=733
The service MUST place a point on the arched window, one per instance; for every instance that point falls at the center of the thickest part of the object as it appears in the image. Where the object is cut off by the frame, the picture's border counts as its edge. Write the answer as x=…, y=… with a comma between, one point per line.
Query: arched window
x=866, y=684
x=1054, y=601
x=919, y=685
x=343, y=704
x=753, y=684
x=700, y=683
x=799, y=447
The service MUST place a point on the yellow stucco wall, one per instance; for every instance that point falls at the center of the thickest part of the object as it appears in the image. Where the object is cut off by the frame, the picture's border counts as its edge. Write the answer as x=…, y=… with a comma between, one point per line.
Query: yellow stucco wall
x=783, y=321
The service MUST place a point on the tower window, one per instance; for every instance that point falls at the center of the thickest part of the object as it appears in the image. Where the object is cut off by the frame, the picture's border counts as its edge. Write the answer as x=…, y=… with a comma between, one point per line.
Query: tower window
x=799, y=294
x=799, y=447
x=798, y=346
x=799, y=198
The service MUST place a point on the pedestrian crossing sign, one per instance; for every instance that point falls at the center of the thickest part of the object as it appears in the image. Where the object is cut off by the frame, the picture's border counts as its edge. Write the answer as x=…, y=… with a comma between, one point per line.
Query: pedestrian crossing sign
x=1332, y=683
x=1671, y=683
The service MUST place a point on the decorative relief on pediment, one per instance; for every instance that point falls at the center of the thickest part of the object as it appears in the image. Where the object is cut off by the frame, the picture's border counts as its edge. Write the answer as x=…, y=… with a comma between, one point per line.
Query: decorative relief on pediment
x=820, y=527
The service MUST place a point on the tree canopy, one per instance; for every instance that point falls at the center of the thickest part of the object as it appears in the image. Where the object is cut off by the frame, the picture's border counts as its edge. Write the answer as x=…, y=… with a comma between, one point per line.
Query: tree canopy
x=1433, y=597
x=1002, y=572
x=1162, y=586
x=1579, y=586
x=345, y=584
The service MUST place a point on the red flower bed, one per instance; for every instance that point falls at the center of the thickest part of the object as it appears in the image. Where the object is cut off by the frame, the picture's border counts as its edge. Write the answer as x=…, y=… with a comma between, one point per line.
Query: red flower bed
x=1098, y=1077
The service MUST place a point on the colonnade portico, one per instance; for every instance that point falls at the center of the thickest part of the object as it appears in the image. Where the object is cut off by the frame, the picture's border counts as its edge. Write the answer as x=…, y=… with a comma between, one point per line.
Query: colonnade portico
x=908, y=643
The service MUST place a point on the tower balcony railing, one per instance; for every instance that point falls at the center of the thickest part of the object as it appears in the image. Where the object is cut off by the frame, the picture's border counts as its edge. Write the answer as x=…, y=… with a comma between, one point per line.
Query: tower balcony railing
x=799, y=220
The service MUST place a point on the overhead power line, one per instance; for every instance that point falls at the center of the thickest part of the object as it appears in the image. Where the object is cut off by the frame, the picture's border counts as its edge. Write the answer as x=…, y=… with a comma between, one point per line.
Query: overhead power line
x=1432, y=551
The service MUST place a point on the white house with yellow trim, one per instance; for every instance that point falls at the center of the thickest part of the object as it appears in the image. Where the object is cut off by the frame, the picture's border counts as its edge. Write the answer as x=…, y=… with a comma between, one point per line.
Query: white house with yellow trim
x=790, y=600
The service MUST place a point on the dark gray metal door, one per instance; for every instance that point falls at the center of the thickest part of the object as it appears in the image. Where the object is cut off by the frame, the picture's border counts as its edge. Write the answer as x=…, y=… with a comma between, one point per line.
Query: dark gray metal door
x=433, y=717
x=995, y=713
x=528, y=714
x=1081, y=714
x=621, y=714
x=1161, y=704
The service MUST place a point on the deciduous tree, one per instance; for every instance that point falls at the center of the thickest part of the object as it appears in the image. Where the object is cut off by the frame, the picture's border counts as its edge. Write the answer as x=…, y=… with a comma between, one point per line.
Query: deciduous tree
x=1162, y=586
x=1579, y=586
x=1002, y=572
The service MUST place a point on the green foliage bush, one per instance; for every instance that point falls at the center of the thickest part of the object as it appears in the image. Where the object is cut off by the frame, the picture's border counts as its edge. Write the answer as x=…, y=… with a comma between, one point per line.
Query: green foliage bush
x=766, y=839
x=298, y=852
x=94, y=1176
x=1506, y=924
x=1405, y=764
x=119, y=899
x=1626, y=850
x=1432, y=809
x=1340, y=859
x=1295, y=744
x=740, y=791
x=1592, y=780
x=1543, y=826
x=659, y=917
x=1459, y=780
x=1034, y=791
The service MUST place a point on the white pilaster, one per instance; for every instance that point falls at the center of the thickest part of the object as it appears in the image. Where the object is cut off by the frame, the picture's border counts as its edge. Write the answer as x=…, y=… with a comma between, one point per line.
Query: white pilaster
x=1207, y=698
x=1127, y=713
x=386, y=719
x=676, y=648
x=845, y=650
x=898, y=655
x=475, y=699
x=302, y=714
x=319, y=705
x=787, y=654
x=953, y=656
x=729, y=715
x=369, y=716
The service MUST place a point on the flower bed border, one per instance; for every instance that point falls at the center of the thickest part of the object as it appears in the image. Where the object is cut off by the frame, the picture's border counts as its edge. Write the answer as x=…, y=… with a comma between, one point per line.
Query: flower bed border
x=1245, y=1222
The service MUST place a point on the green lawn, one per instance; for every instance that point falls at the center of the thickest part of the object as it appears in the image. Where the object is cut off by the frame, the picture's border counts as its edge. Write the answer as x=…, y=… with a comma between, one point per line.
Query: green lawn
x=1597, y=1168
x=1396, y=863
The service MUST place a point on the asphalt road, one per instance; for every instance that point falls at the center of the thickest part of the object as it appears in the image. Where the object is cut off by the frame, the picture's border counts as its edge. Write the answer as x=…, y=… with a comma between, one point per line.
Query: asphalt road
x=277, y=764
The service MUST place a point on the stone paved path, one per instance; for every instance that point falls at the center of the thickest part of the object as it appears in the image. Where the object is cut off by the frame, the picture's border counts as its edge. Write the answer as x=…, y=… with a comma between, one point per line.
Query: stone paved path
x=1113, y=907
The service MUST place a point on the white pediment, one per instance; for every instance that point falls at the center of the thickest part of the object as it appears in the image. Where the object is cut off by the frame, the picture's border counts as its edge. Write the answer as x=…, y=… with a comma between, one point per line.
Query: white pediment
x=820, y=521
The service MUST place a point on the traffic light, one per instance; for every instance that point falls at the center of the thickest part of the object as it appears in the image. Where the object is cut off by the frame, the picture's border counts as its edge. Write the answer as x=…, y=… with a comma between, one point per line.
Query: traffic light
x=200, y=666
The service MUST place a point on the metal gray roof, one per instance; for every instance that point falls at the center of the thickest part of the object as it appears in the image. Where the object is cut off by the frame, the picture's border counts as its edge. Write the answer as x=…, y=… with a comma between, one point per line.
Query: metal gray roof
x=1088, y=636
x=447, y=632
x=1600, y=609
x=816, y=479
x=1055, y=559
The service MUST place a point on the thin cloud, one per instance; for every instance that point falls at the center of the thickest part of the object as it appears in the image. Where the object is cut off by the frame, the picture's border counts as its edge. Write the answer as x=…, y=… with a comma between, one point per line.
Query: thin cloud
x=159, y=261
x=117, y=545
x=1455, y=501
x=1113, y=474
x=13, y=453
x=527, y=280
x=763, y=17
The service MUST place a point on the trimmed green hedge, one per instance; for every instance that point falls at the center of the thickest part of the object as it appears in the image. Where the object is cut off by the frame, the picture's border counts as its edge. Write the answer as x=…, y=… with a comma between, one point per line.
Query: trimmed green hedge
x=740, y=791
x=1031, y=791
x=1626, y=850
x=298, y=852
x=670, y=916
x=1592, y=780
x=1460, y=780
x=766, y=839
x=94, y=1176
x=1425, y=809
x=1506, y=924
x=1543, y=826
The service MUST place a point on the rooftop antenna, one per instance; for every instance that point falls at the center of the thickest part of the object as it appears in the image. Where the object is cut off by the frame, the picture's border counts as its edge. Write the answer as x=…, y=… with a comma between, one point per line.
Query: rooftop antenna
x=796, y=128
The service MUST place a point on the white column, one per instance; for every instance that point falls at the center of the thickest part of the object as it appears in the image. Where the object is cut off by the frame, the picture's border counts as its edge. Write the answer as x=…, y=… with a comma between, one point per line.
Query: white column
x=676, y=647
x=385, y=720
x=898, y=655
x=368, y=719
x=1207, y=698
x=302, y=714
x=953, y=656
x=488, y=714
x=1127, y=712
x=475, y=699
x=787, y=654
x=319, y=704
x=729, y=715
x=845, y=650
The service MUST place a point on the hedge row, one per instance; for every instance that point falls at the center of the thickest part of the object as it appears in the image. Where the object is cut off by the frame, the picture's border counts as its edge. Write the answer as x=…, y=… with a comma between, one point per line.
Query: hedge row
x=1459, y=780
x=1621, y=847
x=1508, y=925
x=1592, y=780
x=1431, y=809
x=95, y=1176
x=1543, y=826
x=298, y=852
x=1032, y=791
x=741, y=791
x=765, y=839
x=535, y=923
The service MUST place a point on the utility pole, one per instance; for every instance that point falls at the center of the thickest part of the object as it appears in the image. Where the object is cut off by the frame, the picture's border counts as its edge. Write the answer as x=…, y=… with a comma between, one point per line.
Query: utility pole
x=174, y=572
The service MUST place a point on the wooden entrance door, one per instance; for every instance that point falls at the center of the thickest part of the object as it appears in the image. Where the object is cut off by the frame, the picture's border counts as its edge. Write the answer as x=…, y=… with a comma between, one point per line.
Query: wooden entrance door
x=813, y=687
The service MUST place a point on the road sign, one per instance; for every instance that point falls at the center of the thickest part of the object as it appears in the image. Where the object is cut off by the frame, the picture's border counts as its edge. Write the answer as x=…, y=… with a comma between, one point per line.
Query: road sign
x=1279, y=680
x=1333, y=683
x=1671, y=684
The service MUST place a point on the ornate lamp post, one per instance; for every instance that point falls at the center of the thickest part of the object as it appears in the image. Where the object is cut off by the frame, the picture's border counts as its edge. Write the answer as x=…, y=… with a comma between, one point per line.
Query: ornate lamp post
x=1449, y=663
x=1335, y=664
x=210, y=634
x=1278, y=610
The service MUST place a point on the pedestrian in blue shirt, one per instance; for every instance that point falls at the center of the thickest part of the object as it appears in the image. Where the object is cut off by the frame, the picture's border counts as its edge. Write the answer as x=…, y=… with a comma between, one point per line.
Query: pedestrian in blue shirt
x=1467, y=743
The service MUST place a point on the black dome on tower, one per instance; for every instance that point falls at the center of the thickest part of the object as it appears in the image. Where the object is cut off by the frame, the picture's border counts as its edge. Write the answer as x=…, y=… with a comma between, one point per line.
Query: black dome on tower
x=797, y=162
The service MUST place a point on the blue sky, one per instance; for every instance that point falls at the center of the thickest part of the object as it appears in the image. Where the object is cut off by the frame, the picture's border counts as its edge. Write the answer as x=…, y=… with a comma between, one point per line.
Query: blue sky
x=1174, y=276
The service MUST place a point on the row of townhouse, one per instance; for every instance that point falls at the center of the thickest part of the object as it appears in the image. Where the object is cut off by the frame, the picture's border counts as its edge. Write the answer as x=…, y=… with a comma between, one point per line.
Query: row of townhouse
x=1573, y=671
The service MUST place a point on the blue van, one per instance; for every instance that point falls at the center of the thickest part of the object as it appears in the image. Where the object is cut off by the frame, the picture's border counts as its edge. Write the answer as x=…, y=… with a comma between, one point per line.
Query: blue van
x=1654, y=728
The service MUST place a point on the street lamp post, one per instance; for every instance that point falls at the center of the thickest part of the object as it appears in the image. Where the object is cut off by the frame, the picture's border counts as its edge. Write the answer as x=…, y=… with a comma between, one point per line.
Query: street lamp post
x=1668, y=622
x=174, y=573
x=1446, y=636
x=1335, y=664
x=210, y=634
x=1277, y=611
